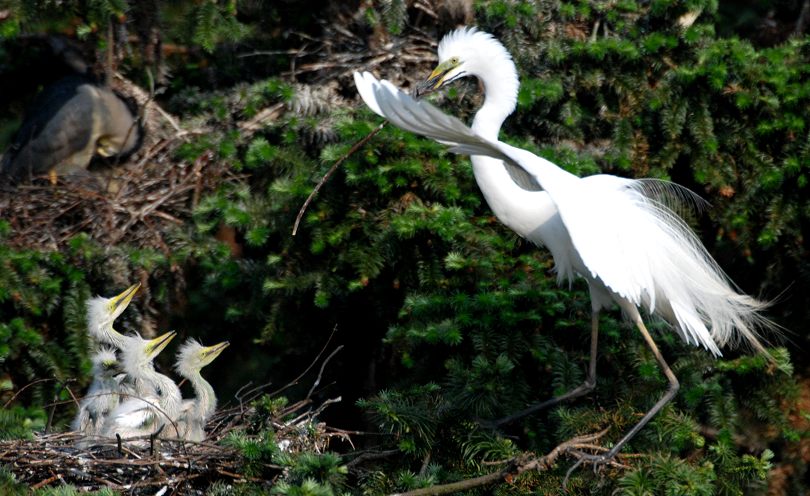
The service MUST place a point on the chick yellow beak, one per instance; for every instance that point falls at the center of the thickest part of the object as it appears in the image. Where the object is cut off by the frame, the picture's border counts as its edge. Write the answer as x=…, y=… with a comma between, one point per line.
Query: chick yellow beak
x=436, y=79
x=156, y=345
x=120, y=302
x=212, y=352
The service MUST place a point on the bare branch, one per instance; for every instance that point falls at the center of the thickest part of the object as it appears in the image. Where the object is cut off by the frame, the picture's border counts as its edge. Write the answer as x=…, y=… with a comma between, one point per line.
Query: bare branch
x=514, y=467
x=331, y=171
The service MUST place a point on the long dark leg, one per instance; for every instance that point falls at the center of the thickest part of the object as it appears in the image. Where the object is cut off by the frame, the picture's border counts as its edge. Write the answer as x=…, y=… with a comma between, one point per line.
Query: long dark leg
x=632, y=311
x=584, y=388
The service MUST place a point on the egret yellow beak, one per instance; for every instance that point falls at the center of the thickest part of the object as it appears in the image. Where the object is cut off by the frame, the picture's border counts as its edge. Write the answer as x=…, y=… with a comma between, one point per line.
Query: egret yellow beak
x=212, y=352
x=109, y=364
x=437, y=78
x=121, y=302
x=156, y=345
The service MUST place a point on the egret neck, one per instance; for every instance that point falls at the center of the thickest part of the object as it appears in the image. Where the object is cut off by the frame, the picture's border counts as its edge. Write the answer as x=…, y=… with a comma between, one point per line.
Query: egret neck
x=505, y=197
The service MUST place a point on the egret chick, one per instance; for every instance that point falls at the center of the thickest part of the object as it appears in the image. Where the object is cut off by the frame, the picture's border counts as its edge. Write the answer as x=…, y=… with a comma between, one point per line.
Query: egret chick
x=109, y=383
x=158, y=398
x=194, y=414
x=619, y=234
x=103, y=395
x=102, y=312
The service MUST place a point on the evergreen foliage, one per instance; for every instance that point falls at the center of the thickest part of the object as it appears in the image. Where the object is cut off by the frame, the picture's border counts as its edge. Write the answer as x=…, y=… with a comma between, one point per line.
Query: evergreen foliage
x=448, y=319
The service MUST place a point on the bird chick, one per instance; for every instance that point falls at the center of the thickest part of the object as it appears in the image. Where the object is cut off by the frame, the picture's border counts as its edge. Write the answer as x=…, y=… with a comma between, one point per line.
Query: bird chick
x=102, y=312
x=194, y=414
x=103, y=395
x=157, y=398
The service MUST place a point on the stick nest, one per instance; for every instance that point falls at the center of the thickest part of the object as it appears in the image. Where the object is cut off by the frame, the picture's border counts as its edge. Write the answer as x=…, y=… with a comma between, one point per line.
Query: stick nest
x=134, y=204
x=147, y=466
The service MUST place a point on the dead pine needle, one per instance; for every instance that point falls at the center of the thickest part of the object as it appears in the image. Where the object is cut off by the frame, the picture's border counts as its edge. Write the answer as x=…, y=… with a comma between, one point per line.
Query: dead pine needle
x=331, y=171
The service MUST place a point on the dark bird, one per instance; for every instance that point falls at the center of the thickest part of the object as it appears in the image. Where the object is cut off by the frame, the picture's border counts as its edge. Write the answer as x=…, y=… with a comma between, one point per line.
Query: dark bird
x=70, y=122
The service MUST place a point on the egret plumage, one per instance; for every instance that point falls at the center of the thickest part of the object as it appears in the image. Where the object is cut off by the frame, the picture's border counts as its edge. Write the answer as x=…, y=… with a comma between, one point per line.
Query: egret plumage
x=191, y=358
x=103, y=395
x=102, y=312
x=622, y=236
x=157, y=398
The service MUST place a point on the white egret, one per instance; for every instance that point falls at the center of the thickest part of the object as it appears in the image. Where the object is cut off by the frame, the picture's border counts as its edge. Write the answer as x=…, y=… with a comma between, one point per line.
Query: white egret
x=109, y=382
x=158, y=398
x=102, y=312
x=103, y=395
x=618, y=234
x=191, y=358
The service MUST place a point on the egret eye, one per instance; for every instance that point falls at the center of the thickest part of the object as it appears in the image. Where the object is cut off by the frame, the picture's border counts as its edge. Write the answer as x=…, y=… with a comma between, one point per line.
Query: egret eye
x=454, y=60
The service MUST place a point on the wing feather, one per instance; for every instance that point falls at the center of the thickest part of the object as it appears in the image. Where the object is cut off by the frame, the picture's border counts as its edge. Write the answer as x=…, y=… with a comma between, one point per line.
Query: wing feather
x=627, y=233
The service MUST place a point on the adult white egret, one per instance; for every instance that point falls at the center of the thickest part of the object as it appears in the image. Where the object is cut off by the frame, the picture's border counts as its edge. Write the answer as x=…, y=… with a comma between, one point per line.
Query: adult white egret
x=158, y=398
x=103, y=395
x=618, y=234
x=191, y=358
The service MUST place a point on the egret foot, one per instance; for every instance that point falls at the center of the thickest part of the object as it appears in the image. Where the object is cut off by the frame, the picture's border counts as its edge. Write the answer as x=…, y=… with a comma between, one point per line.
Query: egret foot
x=597, y=461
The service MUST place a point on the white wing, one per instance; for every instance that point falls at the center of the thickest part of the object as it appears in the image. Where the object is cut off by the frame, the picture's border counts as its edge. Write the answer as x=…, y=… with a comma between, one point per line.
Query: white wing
x=134, y=414
x=418, y=117
x=575, y=199
x=624, y=231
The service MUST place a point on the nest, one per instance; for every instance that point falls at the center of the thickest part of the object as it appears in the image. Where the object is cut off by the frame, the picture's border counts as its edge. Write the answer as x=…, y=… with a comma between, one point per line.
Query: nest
x=138, y=202
x=134, y=204
x=155, y=465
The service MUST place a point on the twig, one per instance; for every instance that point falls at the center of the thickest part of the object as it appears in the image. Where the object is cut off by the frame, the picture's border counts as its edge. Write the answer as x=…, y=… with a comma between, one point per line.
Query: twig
x=23, y=389
x=514, y=467
x=320, y=373
x=371, y=456
x=331, y=171
x=317, y=357
x=45, y=482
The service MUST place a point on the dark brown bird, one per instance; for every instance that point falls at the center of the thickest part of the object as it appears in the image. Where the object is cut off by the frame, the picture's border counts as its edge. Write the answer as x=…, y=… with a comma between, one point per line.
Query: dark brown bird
x=70, y=122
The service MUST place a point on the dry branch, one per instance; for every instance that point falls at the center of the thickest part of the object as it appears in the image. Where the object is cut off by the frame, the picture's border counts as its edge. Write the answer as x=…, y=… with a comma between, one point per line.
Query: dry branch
x=130, y=204
x=516, y=466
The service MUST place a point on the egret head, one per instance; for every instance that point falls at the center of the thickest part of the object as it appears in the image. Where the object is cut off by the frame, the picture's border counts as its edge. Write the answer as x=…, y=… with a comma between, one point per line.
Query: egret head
x=105, y=363
x=141, y=352
x=101, y=312
x=469, y=52
x=193, y=356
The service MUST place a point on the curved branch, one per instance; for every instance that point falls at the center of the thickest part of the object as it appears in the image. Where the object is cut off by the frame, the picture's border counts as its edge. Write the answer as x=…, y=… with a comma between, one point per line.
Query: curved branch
x=514, y=467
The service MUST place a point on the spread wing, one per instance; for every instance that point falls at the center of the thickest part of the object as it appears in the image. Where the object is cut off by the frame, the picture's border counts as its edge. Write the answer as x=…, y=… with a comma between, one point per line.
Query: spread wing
x=625, y=231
